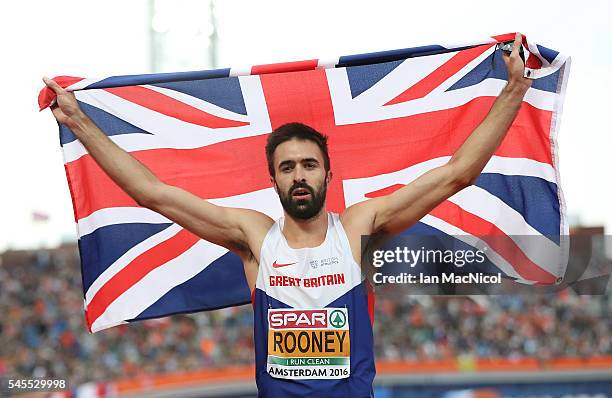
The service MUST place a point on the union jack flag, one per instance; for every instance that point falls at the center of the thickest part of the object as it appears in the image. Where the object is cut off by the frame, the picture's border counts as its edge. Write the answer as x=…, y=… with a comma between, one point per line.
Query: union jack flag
x=390, y=117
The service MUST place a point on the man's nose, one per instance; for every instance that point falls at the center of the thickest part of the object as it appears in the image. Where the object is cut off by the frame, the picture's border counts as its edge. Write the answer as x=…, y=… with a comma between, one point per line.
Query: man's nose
x=300, y=175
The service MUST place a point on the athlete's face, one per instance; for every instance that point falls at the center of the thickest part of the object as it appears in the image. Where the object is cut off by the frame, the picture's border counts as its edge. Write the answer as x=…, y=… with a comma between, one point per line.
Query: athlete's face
x=300, y=180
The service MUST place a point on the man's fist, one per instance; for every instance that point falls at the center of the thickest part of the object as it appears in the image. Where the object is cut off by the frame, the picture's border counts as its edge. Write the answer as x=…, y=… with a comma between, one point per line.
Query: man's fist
x=516, y=66
x=65, y=107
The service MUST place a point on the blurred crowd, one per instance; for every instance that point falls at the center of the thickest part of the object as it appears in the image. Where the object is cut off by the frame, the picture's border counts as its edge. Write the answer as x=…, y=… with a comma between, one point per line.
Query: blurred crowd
x=43, y=331
x=514, y=327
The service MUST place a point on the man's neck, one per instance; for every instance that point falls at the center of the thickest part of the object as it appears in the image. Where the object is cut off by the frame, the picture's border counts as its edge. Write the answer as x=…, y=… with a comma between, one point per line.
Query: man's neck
x=305, y=233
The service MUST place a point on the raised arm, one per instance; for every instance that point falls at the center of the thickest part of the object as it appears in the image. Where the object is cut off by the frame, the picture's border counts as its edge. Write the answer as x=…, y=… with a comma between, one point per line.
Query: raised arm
x=238, y=230
x=396, y=212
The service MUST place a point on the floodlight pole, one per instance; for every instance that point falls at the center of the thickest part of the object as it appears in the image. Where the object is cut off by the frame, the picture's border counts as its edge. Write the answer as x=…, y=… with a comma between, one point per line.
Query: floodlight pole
x=153, y=39
x=214, y=37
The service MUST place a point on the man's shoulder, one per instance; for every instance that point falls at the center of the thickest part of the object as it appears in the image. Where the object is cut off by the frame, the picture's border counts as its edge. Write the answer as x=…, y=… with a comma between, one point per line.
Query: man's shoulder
x=255, y=226
x=252, y=219
x=359, y=211
x=359, y=217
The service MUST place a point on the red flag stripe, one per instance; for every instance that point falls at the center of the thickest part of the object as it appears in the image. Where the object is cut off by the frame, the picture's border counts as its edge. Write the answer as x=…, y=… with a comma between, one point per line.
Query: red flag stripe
x=168, y=106
x=46, y=95
x=384, y=191
x=136, y=270
x=507, y=37
x=283, y=67
x=440, y=75
x=371, y=300
x=495, y=238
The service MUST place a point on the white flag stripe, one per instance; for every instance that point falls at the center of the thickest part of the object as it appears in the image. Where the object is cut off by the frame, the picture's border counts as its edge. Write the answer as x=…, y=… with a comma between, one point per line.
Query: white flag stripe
x=240, y=71
x=355, y=189
x=118, y=215
x=200, y=104
x=488, y=40
x=521, y=167
x=128, y=257
x=75, y=149
x=158, y=282
x=540, y=250
x=83, y=84
x=404, y=76
x=97, y=328
x=471, y=240
x=169, y=132
x=349, y=111
x=327, y=63
x=264, y=200
x=448, y=83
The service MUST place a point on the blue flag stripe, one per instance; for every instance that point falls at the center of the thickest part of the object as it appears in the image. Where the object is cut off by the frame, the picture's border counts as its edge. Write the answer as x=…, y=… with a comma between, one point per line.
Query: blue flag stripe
x=395, y=55
x=498, y=71
x=109, y=124
x=134, y=80
x=363, y=77
x=105, y=245
x=547, y=53
x=225, y=93
x=204, y=291
x=534, y=198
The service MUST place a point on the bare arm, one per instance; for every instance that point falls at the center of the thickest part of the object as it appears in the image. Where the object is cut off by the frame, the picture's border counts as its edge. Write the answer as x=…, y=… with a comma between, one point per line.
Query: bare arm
x=235, y=229
x=396, y=212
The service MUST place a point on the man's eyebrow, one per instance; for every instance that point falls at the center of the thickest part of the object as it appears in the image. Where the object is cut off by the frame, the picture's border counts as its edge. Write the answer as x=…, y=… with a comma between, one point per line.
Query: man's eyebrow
x=291, y=162
x=286, y=162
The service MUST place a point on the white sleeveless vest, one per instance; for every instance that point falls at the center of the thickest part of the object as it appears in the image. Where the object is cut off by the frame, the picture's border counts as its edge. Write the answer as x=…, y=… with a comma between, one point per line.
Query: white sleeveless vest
x=313, y=320
x=308, y=277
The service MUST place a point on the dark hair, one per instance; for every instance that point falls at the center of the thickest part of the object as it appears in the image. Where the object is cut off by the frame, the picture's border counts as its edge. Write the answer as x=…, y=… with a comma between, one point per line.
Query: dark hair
x=298, y=131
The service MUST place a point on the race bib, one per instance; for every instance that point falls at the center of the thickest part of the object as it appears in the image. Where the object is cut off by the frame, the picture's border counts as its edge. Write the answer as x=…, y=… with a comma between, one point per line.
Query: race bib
x=309, y=344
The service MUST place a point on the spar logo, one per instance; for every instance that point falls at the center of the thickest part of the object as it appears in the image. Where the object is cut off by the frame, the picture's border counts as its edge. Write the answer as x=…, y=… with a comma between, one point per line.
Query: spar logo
x=298, y=319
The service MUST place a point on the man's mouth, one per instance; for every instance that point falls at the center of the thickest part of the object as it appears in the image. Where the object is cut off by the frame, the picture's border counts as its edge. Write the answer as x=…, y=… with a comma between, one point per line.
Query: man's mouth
x=301, y=193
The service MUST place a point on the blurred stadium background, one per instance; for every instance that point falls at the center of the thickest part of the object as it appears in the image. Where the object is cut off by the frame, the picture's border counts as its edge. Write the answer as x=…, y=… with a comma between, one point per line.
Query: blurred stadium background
x=557, y=345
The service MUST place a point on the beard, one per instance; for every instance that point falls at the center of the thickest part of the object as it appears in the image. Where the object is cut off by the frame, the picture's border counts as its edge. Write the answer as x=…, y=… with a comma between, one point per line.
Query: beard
x=303, y=209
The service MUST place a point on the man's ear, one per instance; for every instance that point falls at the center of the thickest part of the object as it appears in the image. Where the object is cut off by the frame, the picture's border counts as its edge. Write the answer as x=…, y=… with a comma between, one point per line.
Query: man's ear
x=273, y=181
x=329, y=177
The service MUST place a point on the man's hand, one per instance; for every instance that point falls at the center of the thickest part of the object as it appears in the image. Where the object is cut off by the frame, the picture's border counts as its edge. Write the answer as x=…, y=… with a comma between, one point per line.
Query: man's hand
x=516, y=67
x=65, y=107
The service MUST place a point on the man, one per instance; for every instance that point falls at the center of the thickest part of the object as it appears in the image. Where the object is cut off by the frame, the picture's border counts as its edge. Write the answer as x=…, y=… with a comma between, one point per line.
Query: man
x=313, y=334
